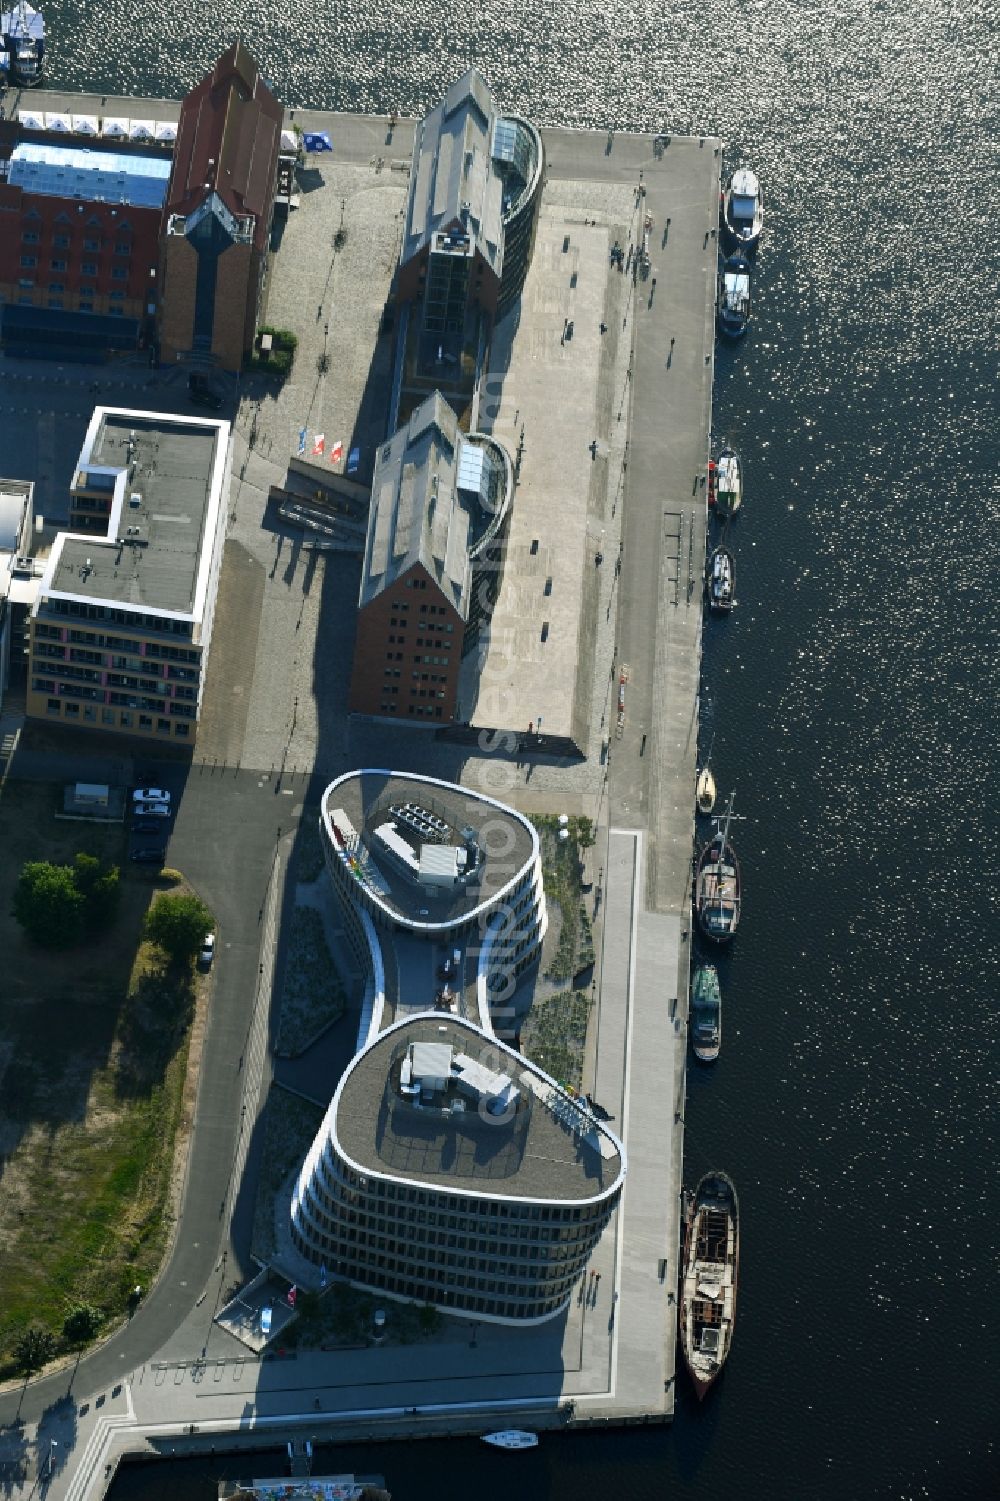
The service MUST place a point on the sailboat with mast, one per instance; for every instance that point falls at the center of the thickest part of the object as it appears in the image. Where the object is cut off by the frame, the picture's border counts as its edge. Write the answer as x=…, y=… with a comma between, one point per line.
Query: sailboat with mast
x=22, y=35
x=718, y=884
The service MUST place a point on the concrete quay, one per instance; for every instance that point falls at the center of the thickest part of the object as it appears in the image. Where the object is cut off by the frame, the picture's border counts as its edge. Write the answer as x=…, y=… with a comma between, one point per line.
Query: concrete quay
x=275, y=720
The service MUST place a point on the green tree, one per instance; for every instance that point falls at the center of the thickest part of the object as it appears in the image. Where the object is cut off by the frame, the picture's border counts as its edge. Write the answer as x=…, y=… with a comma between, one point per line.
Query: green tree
x=81, y=1324
x=48, y=904
x=178, y=924
x=100, y=888
x=33, y=1347
x=429, y=1318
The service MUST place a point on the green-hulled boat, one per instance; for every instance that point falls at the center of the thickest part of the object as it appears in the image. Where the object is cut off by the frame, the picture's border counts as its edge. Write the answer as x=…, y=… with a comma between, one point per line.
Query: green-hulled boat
x=706, y=1013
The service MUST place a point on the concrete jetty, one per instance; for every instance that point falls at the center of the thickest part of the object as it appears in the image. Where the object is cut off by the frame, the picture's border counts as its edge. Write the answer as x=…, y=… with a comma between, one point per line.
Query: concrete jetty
x=616, y=427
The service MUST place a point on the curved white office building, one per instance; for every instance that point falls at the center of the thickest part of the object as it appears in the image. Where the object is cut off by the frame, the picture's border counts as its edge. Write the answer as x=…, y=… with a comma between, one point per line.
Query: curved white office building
x=448, y=1169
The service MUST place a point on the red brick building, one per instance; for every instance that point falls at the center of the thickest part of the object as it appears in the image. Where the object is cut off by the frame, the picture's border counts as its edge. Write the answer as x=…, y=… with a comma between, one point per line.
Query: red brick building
x=439, y=511
x=79, y=232
x=217, y=216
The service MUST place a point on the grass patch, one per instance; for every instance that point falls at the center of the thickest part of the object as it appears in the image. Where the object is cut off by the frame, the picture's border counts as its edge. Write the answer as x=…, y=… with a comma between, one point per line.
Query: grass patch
x=562, y=872
x=344, y=1315
x=277, y=361
x=93, y=1056
x=312, y=996
x=555, y=1033
x=289, y=1130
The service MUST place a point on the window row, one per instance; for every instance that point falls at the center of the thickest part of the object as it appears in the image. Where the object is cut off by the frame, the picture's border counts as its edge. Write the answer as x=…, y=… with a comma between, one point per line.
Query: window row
x=116, y=719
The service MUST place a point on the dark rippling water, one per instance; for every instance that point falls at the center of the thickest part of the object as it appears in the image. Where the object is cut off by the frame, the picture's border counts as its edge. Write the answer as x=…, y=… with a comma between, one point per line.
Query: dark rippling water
x=852, y=695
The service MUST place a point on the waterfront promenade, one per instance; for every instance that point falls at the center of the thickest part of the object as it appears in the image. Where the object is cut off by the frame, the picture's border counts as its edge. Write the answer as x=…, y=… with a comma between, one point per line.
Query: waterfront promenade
x=276, y=716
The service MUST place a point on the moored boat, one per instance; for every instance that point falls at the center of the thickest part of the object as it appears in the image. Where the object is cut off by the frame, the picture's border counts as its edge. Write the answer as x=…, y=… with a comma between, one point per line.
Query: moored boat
x=22, y=34
x=706, y=1013
x=743, y=209
x=734, y=297
x=728, y=484
x=704, y=790
x=709, y=1278
x=511, y=1438
x=718, y=885
x=721, y=581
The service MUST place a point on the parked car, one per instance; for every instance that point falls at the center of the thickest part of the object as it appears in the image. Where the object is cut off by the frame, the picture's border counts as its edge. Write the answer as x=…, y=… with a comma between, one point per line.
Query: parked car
x=150, y=795
x=207, y=953
x=149, y=854
x=147, y=825
x=151, y=810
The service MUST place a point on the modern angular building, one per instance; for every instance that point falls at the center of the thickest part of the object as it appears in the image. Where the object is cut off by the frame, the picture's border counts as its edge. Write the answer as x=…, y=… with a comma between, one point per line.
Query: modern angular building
x=432, y=568
x=79, y=236
x=471, y=217
x=121, y=626
x=218, y=215
x=448, y=1169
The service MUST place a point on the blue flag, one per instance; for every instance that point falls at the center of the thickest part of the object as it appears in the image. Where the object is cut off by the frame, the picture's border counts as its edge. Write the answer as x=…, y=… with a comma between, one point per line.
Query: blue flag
x=302, y=440
x=317, y=140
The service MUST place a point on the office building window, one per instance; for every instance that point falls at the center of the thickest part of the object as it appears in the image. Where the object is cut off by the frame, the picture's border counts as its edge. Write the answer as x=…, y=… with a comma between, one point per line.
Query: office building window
x=27, y=261
x=60, y=241
x=88, y=268
x=91, y=244
x=30, y=237
x=52, y=706
x=57, y=265
x=55, y=286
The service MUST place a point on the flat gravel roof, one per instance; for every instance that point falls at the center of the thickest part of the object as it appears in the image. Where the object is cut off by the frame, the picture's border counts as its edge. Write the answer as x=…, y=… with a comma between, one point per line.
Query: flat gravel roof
x=508, y=843
x=549, y=1149
x=156, y=567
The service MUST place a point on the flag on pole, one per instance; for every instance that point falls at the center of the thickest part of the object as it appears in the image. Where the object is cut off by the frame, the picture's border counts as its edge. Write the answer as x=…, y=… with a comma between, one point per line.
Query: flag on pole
x=336, y=452
x=319, y=443
x=302, y=441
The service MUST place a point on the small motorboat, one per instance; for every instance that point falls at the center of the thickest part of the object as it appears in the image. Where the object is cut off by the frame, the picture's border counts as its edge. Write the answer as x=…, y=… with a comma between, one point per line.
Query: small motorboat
x=734, y=297
x=743, y=210
x=706, y=1013
x=718, y=885
x=728, y=485
x=704, y=790
x=511, y=1438
x=721, y=581
x=709, y=1278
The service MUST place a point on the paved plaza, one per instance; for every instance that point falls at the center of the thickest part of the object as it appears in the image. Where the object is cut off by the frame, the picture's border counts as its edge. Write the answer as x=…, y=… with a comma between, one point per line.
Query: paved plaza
x=611, y=464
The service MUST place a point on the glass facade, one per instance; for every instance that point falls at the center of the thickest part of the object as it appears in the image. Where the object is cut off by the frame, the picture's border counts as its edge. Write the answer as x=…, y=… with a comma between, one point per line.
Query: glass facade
x=511, y=1247
x=505, y=1259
